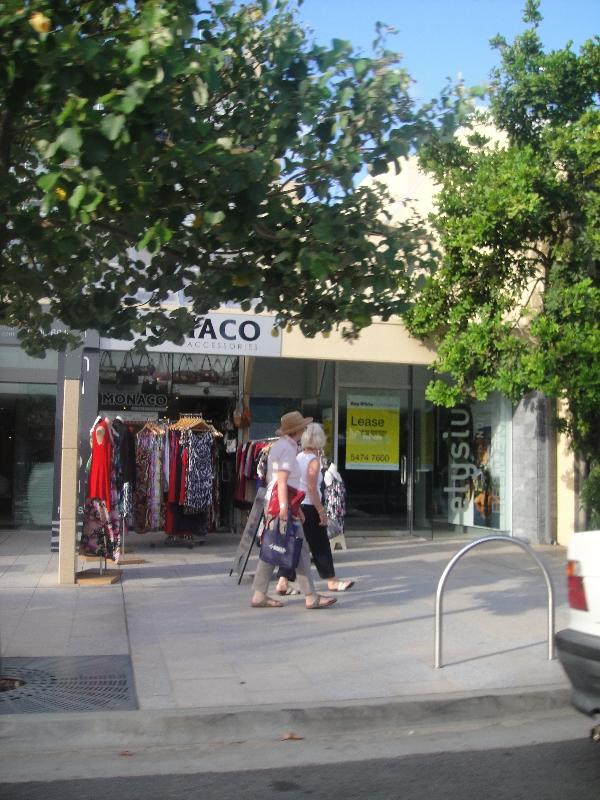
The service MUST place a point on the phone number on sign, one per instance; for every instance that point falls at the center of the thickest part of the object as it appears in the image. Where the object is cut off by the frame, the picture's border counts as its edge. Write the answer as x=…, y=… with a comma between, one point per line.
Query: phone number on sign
x=370, y=458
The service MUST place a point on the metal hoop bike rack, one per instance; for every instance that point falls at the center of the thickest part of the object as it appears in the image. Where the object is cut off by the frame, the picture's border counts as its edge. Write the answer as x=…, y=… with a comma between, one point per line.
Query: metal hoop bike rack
x=448, y=570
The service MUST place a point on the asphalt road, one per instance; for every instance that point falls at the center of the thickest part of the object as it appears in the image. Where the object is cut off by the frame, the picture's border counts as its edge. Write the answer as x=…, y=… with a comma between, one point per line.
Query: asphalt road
x=564, y=770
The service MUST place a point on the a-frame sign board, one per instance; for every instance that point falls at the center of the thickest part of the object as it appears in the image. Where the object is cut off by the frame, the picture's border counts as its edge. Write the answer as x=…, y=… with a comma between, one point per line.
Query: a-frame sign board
x=253, y=524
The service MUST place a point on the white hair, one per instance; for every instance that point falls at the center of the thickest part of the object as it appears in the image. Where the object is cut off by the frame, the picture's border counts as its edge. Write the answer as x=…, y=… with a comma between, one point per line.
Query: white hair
x=314, y=436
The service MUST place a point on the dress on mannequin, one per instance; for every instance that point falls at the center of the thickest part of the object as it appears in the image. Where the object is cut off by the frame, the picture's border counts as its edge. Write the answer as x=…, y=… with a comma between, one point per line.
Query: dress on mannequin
x=99, y=478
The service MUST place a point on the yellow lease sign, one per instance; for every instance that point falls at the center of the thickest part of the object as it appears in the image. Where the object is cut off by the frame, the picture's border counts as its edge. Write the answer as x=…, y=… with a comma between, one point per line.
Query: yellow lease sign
x=372, y=432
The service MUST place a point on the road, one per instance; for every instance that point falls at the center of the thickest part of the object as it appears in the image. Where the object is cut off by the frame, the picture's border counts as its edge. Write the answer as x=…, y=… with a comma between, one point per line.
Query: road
x=568, y=770
x=542, y=756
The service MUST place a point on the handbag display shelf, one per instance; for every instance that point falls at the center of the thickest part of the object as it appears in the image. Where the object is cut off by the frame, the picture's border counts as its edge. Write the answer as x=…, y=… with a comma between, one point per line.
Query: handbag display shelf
x=127, y=374
x=163, y=375
x=185, y=372
x=229, y=375
x=107, y=371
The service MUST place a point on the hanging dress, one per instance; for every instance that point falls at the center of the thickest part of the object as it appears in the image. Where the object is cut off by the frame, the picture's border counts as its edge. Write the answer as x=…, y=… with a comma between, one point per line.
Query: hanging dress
x=99, y=477
x=101, y=535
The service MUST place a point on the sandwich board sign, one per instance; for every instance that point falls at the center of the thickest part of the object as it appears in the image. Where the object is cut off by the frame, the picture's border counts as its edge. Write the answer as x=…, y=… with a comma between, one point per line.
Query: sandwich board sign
x=253, y=523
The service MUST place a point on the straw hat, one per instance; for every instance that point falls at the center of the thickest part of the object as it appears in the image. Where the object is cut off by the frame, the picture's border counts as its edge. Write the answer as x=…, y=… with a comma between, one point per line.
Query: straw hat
x=292, y=423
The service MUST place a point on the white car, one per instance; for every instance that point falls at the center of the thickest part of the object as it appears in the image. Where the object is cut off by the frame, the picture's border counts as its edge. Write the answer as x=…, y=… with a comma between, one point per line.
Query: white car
x=578, y=646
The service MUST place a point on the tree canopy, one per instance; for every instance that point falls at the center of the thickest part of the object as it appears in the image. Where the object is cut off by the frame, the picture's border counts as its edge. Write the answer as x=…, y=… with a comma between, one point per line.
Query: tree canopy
x=149, y=148
x=514, y=304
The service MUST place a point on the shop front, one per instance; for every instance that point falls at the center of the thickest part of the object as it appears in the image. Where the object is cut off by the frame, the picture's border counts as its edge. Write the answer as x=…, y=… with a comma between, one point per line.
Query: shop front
x=27, y=435
x=409, y=468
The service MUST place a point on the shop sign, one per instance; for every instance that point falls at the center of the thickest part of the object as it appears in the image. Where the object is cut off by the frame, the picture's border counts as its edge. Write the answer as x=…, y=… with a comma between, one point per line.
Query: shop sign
x=228, y=334
x=9, y=335
x=461, y=469
x=473, y=486
x=373, y=432
x=116, y=400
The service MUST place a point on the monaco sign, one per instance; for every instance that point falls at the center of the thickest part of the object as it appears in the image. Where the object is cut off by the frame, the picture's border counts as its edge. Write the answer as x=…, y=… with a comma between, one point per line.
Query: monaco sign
x=227, y=334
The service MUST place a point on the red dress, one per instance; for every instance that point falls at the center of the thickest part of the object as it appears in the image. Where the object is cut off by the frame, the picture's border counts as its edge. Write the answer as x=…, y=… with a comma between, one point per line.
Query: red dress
x=99, y=478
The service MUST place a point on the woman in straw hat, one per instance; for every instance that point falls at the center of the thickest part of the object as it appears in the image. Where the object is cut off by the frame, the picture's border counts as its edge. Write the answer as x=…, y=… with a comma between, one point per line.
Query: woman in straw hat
x=282, y=472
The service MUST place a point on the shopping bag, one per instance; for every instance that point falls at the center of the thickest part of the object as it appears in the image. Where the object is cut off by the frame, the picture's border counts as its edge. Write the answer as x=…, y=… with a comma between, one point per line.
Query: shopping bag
x=280, y=546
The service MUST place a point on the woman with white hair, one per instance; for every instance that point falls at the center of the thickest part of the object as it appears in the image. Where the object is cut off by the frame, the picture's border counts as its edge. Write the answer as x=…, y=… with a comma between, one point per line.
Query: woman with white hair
x=315, y=519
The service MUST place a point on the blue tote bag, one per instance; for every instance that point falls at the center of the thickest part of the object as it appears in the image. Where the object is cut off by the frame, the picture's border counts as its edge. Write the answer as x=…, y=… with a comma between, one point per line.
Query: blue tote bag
x=280, y=546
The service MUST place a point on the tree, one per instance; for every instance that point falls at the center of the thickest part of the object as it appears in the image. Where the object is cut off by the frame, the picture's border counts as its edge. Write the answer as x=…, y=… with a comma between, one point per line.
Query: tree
x=148, y=148
x=514, y=304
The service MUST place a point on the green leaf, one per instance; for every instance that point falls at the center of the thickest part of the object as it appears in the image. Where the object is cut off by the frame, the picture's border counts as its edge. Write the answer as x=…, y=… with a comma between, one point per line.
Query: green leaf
x=69, y=140
x=378, y=167
x=323, y=231
x=77, y=196
x=134, y=96
x=95, y=202
x=214, y=217
x=48, y=181
x=137, y=51
x=361, y=65
x=112, y=125
x=146, y=238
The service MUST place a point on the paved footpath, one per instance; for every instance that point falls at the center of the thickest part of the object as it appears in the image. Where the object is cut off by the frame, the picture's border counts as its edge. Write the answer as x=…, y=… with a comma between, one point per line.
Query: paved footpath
x=200, y=654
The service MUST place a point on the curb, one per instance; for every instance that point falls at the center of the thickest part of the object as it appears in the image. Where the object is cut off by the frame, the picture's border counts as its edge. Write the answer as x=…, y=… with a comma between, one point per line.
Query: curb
x=170, y=728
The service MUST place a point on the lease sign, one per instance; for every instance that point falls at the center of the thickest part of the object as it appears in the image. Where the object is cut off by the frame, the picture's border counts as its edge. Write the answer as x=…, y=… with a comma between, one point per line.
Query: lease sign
x=372, y=432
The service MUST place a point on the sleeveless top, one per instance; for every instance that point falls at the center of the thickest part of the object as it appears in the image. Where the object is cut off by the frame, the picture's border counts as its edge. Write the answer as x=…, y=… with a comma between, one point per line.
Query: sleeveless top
x=304, y=460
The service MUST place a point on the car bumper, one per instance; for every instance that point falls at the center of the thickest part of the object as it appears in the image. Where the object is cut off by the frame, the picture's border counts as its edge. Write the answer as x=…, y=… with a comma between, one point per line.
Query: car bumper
x=579, y=654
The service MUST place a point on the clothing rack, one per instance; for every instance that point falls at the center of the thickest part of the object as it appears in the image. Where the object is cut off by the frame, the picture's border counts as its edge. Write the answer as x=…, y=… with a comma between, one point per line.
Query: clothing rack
x=191, y=421
x=157, y=427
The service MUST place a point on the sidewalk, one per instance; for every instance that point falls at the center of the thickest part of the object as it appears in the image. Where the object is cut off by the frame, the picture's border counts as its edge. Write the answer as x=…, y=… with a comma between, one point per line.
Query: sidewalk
x=197, y=648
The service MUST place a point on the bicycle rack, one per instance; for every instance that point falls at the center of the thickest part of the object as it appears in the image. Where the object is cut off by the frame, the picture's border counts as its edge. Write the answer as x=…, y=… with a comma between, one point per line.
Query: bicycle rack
x=448, y=570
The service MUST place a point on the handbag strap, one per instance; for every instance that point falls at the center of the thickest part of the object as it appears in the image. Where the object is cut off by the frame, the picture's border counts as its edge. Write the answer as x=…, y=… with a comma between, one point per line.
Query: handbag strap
x=147, y=359
x=163, y=363
x=184, y=357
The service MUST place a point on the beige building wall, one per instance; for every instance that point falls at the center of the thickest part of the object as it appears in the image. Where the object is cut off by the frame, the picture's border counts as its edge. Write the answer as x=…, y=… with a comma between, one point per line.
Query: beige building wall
x=566, y=496
x=67, y=550
x=381, y=342
x=566, y=491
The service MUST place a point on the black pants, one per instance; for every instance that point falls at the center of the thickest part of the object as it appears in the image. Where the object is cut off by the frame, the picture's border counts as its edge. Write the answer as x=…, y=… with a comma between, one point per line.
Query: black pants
x=318, y=543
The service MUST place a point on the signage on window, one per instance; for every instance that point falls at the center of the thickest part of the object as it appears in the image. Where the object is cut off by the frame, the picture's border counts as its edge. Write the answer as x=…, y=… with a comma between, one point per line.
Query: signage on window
x=372, y=432
x=475, y=465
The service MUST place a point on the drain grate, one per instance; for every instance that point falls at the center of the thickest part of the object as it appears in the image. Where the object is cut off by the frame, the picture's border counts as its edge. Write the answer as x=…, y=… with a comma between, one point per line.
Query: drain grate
x=75, y=683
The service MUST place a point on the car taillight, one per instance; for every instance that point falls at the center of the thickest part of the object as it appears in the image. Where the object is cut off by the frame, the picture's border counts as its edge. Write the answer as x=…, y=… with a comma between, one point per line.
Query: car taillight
x=575, y=587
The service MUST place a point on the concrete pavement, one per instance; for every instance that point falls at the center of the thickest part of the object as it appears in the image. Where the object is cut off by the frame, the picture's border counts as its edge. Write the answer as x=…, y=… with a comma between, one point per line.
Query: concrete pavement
x=208, y=666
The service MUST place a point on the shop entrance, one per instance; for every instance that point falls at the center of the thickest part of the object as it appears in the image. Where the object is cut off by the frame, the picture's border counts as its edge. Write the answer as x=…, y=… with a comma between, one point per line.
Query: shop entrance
x=26, y=456
x=375, y=459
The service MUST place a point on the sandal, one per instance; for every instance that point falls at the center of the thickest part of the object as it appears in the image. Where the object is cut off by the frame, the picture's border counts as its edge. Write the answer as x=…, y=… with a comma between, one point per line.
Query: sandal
x=342, y=586
x=321, y=602
x=267, y=602
x=287, y=592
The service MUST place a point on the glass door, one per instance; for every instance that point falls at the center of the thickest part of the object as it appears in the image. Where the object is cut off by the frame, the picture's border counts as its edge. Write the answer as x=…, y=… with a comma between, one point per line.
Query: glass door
x=374, y=458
